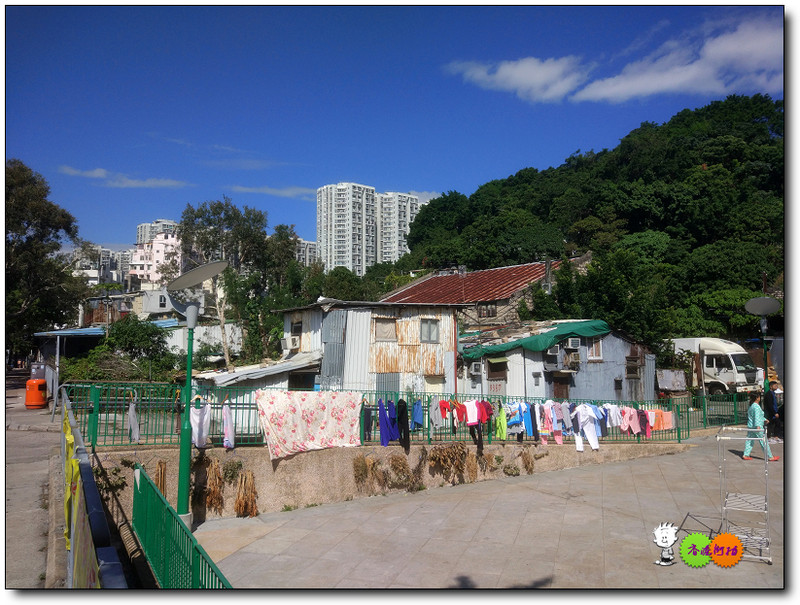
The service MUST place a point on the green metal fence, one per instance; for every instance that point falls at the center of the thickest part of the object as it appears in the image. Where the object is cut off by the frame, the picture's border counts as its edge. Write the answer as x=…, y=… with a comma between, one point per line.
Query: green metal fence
x=102, y=409
x=175, y=556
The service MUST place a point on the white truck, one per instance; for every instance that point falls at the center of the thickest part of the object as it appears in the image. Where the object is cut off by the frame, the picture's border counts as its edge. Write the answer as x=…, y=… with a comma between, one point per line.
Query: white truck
x=719, y=366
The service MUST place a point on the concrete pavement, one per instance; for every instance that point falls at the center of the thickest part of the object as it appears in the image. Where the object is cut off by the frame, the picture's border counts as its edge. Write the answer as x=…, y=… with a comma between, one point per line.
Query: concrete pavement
x=32, y=522
x=580, y=528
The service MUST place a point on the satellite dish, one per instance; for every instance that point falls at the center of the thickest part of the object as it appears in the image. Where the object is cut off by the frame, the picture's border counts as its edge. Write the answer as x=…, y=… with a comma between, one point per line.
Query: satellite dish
x=763, y=305
x=190, y=279
x=197, y=276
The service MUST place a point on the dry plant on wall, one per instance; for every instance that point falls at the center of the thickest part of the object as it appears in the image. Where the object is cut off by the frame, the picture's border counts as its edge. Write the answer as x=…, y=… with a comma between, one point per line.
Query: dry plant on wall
x=215, y=487
x=451, y=457
x=246, y=497
x=527, y=460
x=161, y=477
x=472, y=467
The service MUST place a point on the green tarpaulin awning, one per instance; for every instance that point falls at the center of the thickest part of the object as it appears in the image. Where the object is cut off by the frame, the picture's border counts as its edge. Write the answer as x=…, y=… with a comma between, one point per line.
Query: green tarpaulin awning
x=542, y=342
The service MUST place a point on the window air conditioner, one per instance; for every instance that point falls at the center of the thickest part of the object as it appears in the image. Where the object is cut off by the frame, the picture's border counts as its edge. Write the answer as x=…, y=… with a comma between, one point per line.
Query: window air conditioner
x=291, y=343
x=553, y=350
x=573, y=343
x=475, y=368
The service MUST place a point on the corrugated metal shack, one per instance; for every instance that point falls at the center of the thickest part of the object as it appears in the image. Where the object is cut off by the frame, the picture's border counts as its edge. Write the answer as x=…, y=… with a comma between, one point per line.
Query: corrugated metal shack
x=377, y=346
x=567, y=359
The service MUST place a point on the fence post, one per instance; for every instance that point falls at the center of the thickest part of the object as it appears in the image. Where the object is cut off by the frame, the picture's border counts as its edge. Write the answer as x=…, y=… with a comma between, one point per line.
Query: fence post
x=705, y=411
x=94, y=396
x=735, y=408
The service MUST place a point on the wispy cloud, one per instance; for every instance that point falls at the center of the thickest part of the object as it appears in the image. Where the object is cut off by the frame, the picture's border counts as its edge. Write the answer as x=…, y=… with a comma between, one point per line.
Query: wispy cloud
x=532, y=79
x=122, y=181
x=721, y=58
x=747, y=58
x=297, y=193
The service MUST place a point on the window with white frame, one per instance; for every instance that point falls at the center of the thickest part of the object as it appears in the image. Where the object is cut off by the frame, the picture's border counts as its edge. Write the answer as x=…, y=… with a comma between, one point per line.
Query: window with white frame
x=594, y=348
x=429, y=331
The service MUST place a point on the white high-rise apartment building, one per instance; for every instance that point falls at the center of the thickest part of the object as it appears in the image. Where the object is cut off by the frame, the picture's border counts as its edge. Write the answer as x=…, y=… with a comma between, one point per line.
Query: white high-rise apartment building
x=347, y=226
x=145, y=232
x=357, y=228
x=398, y=210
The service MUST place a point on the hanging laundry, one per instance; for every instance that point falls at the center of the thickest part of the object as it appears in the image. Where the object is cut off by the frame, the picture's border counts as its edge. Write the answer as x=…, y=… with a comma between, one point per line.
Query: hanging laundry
x=600, y=426
x=394, y=430
x=228, y=428
x=367, y=416
x=402, y=424
x=417, y=421
x=614, y=414
x=299, y=421
x=133, y=423
x=200, y=419
x=586, y=420
x=501, y=427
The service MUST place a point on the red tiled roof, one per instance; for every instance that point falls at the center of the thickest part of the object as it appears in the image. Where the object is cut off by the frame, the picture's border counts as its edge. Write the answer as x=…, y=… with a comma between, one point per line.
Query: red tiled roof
x=478, y=286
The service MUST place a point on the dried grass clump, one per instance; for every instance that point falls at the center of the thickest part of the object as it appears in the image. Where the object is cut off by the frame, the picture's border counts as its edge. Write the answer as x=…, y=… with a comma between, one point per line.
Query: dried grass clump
x=215, y=487
x=451, y=457
x=398, y=464
x=527, y=460
x=472, y=467
x=376, y=473
x=360, y=470
x=487, y=462
x=161, y=477
x=246, y=497
x=512, y=470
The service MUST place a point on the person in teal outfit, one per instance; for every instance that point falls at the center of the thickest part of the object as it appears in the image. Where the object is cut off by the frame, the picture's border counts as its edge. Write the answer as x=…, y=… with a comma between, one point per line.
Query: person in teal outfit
x=756, y=420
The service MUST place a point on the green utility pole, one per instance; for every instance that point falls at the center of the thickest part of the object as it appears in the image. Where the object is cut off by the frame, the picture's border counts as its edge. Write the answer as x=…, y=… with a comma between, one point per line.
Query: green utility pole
x=186, y=434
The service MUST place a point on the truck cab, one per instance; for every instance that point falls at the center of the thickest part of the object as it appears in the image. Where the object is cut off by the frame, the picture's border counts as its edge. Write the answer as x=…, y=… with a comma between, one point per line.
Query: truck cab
x=726, y=366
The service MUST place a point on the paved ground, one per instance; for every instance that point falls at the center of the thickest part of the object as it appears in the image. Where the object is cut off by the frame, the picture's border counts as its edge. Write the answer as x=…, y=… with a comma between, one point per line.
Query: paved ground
x=30, y=442
x=581, y=528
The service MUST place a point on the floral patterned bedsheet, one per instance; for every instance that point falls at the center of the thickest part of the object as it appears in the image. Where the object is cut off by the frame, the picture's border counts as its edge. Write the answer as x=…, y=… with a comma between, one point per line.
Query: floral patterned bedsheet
x=300, y=421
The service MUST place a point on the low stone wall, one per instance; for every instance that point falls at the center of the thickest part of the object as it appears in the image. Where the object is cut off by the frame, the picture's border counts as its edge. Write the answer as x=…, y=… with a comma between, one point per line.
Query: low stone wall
x=343, y=474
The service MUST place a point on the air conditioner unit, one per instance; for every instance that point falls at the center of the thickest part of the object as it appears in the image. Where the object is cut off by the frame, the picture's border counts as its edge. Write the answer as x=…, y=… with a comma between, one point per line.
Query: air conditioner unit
x=573, y=343
x=291, y=343
x=475, y=368
x=553, y=350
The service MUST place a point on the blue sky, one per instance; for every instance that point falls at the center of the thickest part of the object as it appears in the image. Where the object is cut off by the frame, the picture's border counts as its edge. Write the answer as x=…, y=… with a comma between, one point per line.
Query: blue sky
x=131, y=113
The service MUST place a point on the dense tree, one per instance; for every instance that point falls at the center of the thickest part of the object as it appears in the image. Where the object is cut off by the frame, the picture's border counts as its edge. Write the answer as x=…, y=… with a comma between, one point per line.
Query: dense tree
x=41, y=292
x=219, y=230
x=687, y=208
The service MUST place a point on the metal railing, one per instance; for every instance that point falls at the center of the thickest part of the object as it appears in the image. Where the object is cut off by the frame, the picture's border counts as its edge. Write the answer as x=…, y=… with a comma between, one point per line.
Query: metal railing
x=102, y=413
x=174, y=554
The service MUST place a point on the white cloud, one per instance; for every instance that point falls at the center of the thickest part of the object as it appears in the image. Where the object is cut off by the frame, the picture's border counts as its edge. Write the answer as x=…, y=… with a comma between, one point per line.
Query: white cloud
x=718, y=58
x=299, y=193
x=97, y=173
x=748, y=58
x=530, y=78
x=426, y=196
x=121, y=181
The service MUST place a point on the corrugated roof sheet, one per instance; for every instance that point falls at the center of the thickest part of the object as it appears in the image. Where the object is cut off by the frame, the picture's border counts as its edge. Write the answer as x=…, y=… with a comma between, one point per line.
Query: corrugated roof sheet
x=477, y=286
x=298, y=361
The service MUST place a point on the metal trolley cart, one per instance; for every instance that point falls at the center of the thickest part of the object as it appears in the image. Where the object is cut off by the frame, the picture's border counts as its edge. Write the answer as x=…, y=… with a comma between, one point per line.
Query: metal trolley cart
x=745, y=515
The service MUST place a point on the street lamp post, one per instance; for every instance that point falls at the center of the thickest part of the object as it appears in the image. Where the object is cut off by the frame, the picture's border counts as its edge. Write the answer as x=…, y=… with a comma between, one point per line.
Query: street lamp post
x=763, y=306
x=189, y=310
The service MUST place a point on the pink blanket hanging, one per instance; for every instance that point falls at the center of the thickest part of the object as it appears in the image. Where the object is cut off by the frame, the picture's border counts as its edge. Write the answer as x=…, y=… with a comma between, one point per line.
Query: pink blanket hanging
x=299, y=421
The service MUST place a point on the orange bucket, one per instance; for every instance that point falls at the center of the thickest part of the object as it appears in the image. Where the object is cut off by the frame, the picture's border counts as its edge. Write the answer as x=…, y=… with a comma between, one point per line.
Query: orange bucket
x=36, y=394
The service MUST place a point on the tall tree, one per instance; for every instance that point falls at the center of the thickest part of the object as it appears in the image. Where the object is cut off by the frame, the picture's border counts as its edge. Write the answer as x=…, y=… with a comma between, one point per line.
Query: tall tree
x=218, y=230
x=41, y=292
